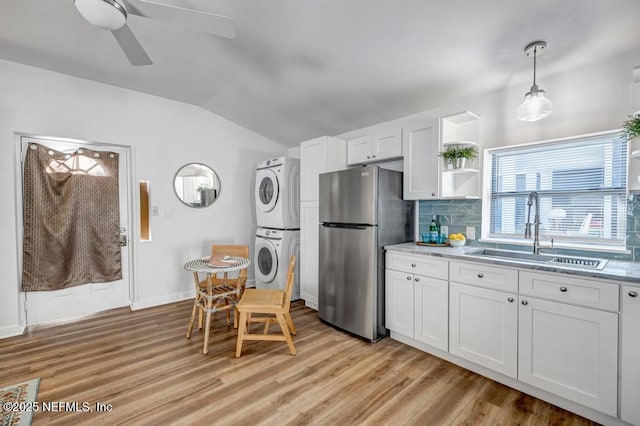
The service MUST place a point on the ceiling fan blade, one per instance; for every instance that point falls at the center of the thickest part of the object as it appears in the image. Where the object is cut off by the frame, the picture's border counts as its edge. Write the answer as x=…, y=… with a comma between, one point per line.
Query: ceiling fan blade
x=223, y=26
x=131, y=47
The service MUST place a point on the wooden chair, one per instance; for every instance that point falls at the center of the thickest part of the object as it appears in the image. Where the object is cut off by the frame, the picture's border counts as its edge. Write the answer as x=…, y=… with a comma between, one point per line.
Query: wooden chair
x=273, y=303
x=214, y=290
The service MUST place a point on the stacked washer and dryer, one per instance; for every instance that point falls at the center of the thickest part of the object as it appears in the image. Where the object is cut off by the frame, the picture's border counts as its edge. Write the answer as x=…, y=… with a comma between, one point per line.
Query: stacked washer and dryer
x=278, y=217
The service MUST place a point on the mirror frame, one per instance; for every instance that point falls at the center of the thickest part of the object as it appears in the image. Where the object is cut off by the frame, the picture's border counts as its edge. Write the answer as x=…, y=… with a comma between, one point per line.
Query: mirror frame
x=215, y=175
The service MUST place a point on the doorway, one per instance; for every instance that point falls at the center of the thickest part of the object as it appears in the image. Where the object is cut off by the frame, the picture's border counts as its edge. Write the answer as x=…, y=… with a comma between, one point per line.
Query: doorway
x=47, y=306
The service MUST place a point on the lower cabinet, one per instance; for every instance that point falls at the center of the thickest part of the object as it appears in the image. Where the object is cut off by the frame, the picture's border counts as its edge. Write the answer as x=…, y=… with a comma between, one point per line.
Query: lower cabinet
x=555, y=333
x=570, y=351
x=483, y=327
x=430, y=311
x=630, y=359
x=417, y=305
x=399, y=302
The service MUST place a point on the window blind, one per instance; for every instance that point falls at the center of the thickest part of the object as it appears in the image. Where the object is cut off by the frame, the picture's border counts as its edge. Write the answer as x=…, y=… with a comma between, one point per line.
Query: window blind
x=581, y=184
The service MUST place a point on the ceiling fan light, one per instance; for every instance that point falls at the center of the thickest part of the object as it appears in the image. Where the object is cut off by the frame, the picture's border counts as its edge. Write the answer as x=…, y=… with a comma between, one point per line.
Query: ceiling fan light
x=535, y=106
x=106, y=14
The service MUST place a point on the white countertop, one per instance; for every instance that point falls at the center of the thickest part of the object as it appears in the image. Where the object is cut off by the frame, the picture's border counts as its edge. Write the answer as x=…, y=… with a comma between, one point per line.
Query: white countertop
x=627, y=272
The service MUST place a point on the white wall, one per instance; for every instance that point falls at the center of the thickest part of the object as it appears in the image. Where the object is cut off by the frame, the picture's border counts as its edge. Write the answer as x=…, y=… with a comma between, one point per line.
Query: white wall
x=586, y=100
x=164, y=135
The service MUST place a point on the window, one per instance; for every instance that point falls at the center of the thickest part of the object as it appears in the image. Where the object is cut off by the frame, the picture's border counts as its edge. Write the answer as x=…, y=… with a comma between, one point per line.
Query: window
x=581, y=183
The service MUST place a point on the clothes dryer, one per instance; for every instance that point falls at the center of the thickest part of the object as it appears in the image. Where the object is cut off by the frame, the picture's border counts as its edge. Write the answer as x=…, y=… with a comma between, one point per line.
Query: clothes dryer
x=273, y=249
x=278, y=193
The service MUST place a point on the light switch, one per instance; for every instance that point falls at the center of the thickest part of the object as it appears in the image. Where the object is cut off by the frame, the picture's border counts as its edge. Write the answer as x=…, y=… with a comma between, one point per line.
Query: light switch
x=471, y=233
x=168, y=213
x=155, y=210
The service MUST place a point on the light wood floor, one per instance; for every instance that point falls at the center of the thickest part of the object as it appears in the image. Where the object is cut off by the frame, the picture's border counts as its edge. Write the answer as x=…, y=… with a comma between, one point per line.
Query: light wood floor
x=142, y=364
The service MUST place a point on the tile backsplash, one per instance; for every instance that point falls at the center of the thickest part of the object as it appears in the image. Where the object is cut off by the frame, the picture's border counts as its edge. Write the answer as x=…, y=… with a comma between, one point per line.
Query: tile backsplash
x=459, y=214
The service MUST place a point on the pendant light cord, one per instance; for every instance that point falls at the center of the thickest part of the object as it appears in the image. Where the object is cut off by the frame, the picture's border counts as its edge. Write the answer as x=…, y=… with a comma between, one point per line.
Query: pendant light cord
x=535, y=50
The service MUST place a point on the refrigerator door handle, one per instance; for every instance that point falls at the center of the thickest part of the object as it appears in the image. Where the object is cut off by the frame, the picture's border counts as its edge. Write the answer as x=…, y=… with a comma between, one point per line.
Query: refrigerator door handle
x=344, y=225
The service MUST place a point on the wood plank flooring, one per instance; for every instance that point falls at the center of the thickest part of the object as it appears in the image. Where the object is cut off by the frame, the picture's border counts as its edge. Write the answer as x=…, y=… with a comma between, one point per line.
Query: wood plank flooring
x=142, y=364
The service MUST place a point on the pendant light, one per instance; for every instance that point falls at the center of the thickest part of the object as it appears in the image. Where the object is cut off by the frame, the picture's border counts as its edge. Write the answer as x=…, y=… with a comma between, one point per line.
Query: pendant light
x=535, y=105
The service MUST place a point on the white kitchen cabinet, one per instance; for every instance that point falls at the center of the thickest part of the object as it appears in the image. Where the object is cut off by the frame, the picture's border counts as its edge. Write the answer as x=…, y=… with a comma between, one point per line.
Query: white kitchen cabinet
x=399, y=302
x=381, y=146
x=421, y=171
x=461, y=130
x=570, y=351
x=309, y=252
x=630, y=357
x=431, y=313
x=319, y=155
x=417, y=294
x=483, y=327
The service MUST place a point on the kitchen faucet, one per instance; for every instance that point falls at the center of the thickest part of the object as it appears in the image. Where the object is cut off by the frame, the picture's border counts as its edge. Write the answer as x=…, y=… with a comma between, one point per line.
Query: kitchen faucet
x=533, y=197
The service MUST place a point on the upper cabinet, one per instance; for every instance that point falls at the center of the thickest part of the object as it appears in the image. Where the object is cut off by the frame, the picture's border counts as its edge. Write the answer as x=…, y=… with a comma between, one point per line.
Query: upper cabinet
x=373, y=148
x=461, y=179
x=420, y=147
x=317, y=156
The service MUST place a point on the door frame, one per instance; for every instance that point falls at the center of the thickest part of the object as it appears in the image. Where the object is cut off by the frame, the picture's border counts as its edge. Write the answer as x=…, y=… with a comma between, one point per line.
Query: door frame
x=132, y=206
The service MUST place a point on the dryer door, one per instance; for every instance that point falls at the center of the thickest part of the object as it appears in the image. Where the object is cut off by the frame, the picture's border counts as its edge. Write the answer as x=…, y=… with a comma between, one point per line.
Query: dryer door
x=266, y=260
x=267, y=190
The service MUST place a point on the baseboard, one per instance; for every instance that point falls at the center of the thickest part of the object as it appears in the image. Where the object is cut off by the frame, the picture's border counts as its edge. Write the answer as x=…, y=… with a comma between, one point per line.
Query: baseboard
x=11, y=331
x=161, y=300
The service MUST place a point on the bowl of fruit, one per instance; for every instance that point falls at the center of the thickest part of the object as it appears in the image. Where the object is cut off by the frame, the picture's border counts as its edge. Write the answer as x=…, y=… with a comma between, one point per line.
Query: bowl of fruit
x=457, y=240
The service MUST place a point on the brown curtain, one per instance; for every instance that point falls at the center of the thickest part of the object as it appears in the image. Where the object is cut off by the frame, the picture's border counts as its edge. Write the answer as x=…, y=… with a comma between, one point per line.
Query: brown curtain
x=71, y=219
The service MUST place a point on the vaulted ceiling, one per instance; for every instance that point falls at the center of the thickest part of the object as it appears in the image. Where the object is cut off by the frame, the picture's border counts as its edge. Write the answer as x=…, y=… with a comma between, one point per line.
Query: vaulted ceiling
x=298, y=69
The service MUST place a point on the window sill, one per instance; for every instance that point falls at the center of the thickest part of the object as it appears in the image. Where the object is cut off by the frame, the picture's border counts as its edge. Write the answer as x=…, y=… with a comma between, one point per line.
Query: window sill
x=593, y=247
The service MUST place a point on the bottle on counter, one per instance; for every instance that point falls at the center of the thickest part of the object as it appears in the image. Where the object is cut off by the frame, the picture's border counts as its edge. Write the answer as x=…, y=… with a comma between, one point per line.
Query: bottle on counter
x=434, y=230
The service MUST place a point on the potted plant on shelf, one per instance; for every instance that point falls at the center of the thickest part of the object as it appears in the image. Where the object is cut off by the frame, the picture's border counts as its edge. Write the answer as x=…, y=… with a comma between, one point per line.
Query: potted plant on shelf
x=456, y=156
x=631, y=127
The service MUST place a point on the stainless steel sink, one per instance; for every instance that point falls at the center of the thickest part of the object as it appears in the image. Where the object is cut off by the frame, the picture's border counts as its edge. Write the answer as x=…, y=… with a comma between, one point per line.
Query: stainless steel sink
x=561, y=261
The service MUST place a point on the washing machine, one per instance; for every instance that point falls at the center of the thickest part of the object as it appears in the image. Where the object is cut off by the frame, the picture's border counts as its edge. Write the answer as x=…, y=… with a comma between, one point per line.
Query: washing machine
x=278, y=193
x=273, y=249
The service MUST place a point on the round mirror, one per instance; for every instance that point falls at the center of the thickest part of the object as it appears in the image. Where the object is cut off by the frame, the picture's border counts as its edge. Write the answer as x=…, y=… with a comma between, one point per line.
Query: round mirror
x=196, y=185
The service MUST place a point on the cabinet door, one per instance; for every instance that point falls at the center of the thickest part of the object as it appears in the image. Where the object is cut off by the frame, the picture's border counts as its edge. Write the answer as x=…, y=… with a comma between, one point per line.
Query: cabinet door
x=570, y=351
x=431, y=311
x=313, y=161
x=630, y=360
x=420, y=148
x=483, y=327
x=387, y=145
x=359, y=150
x=309, y=252
x=399, y=302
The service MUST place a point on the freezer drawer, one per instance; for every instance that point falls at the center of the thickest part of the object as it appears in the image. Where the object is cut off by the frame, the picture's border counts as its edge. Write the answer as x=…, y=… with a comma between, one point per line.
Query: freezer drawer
x=348, y=286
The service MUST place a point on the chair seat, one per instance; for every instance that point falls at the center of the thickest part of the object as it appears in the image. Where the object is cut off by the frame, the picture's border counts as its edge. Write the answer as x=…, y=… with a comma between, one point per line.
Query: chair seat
x=261, y=300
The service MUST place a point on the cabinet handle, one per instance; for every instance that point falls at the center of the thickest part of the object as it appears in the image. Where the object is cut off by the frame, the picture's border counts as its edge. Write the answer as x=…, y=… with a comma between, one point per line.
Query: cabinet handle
x=510, y=299
x=524, y=302
x=417, y=279
x=373, y=156
x=413, y=265
x=480, y=275
x=433, y=194
x=409, y=278
x=563, y=289
x=633, y=293
x=368, y=156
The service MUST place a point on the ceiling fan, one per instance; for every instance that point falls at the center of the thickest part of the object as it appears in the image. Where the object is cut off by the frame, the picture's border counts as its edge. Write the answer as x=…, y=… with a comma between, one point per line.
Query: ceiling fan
x=112, y=15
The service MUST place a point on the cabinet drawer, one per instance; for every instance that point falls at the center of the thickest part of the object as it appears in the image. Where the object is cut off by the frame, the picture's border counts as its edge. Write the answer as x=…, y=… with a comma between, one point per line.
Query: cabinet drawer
x=429, y=266
x=497, y=278
x=579, y=291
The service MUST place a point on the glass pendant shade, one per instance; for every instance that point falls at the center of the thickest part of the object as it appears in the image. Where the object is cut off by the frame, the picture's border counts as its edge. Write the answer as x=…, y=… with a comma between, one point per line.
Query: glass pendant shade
x=106, y=14
x=535, y=106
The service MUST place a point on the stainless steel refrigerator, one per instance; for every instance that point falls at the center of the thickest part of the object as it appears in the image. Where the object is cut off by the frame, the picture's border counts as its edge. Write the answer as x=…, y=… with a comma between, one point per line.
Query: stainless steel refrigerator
x=361, y=210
